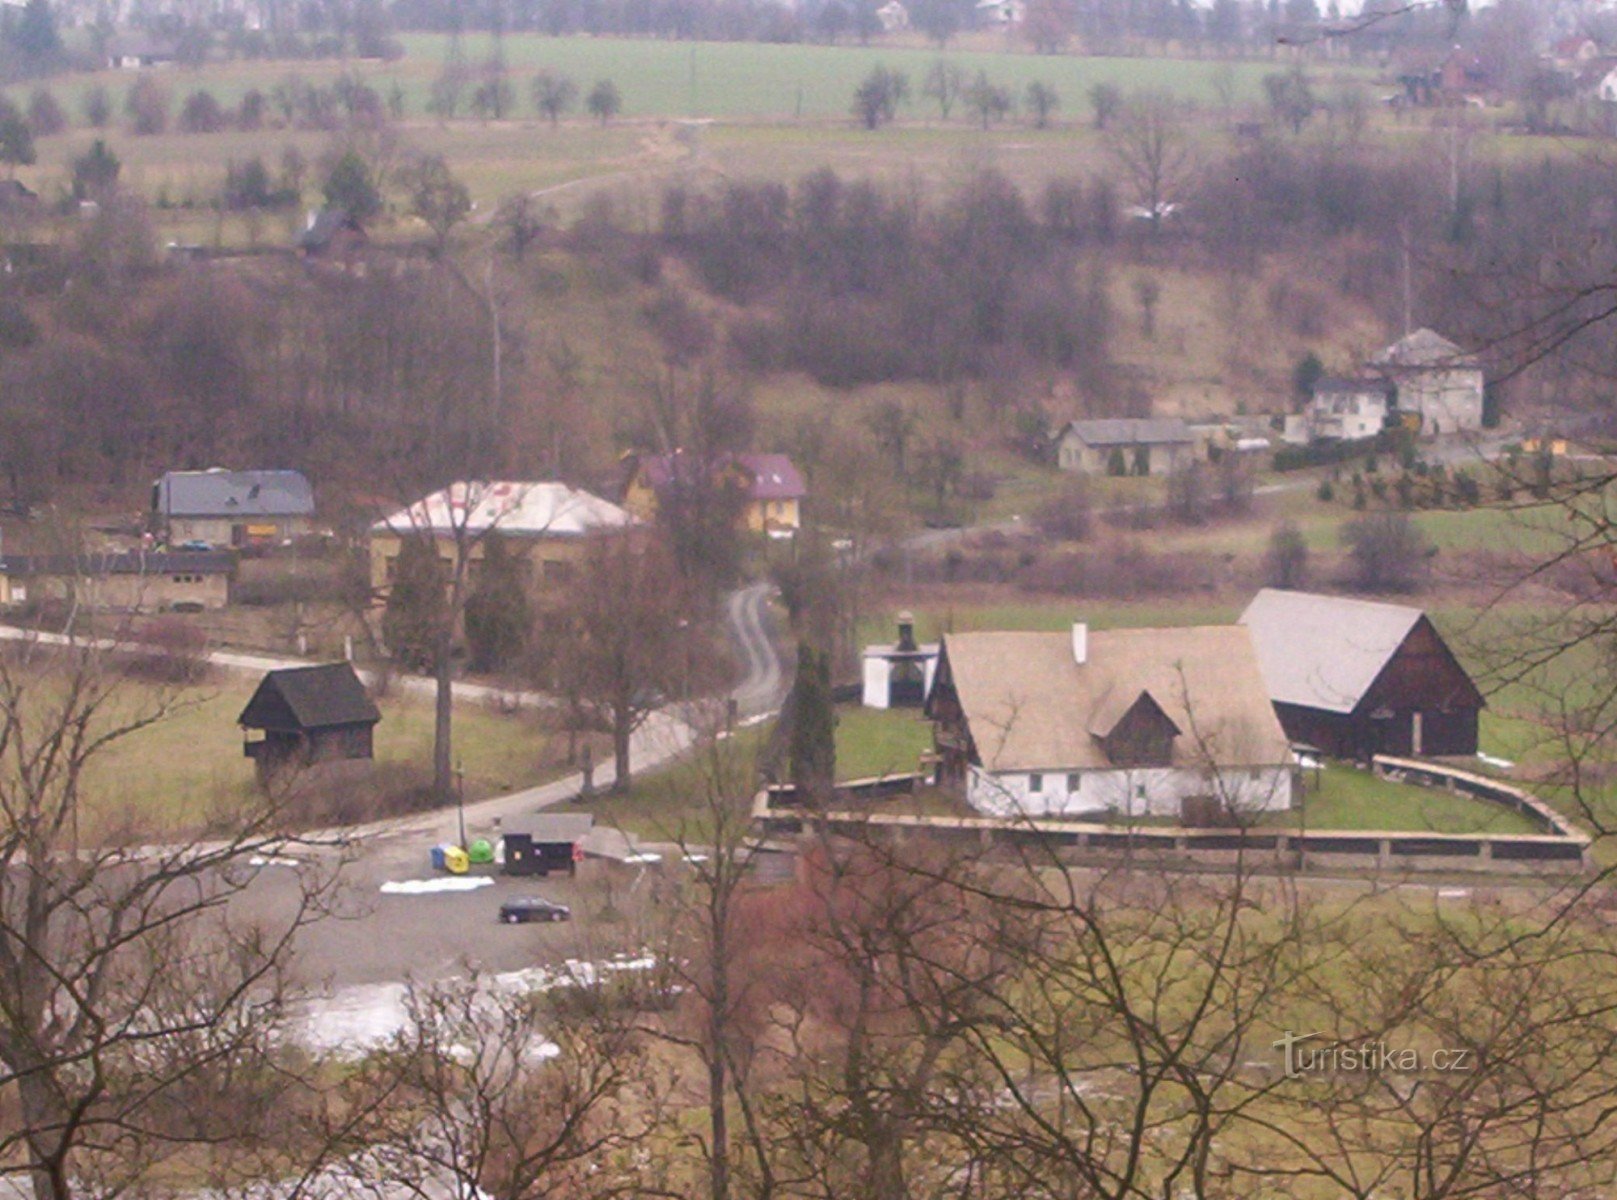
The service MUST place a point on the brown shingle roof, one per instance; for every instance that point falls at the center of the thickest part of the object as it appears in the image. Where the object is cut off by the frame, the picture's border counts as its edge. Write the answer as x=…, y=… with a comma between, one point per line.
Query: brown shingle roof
x=1032, y=708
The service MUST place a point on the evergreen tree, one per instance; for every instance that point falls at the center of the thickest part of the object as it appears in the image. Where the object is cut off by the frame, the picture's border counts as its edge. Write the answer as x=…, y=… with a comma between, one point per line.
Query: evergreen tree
x=497, y=614
x=34, y=36
x=417, y=606
x=813, y=738
x=95, y=172
x=351, y=188
x=16, y=138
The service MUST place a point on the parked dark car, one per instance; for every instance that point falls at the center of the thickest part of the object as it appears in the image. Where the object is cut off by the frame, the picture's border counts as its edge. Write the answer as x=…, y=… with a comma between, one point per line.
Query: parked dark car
x=533, y=908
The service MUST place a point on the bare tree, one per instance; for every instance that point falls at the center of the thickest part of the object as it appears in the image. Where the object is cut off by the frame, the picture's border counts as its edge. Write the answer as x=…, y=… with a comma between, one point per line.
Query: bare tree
x=1147, y=141
x=128, y=989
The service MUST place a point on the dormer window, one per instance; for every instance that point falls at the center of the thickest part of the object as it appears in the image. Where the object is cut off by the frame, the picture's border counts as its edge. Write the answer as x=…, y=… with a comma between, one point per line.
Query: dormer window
x=1140, y=734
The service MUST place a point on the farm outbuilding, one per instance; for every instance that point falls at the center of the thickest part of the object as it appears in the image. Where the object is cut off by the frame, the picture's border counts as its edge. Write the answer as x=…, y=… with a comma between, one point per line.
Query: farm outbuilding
x=308, y=716
x=1357, y=678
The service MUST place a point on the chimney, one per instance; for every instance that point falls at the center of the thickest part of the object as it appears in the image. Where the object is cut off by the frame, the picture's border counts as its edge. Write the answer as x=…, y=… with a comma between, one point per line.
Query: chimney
x=906, y=631
x=1080, y=642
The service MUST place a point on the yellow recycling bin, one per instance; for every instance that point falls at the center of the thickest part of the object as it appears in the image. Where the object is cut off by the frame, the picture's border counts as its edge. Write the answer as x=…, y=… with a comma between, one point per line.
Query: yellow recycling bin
x=456, y=860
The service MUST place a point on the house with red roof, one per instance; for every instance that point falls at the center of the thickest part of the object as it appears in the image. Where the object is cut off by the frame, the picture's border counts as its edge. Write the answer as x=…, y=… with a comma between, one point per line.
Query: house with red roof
x=767, y=489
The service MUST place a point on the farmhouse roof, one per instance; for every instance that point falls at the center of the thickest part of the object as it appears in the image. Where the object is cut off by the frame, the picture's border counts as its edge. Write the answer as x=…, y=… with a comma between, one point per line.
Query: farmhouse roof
x=1032, y=706
x=513, y=509
x=222, y=493
x=1357, y=385
x=1324, y=651
x=122, y=562
x=769, y=476
x=1132, y=431
x=304, y=698
x=1423, y=348
x=325, y=225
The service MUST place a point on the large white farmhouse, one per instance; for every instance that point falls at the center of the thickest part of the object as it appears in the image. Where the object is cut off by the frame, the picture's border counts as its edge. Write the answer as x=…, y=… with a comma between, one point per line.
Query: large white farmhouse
x=1433, y=379
x=1132, y=722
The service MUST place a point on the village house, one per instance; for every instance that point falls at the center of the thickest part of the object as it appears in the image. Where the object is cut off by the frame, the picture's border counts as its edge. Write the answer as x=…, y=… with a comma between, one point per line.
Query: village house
x=1357, y=678
x=1347, y=410
x=121, y=581
x=308, y=716
x=1432, y=380
x=1125, y=446
x=768, y=489
x=546, y=526
x=231, y=508
x=332, y=233
x=898, y=674
x=133, y=49
x=1132, y=722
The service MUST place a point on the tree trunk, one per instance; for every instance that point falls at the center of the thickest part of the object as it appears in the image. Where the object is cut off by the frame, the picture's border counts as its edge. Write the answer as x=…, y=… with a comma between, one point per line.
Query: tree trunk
x=443, y=723
x=621, y=729
x=45, y=1122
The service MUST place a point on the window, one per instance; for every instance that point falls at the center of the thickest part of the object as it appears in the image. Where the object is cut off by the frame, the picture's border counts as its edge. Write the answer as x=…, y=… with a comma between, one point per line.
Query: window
x=1035, y=782
x=1074, y=781
x=558, y=570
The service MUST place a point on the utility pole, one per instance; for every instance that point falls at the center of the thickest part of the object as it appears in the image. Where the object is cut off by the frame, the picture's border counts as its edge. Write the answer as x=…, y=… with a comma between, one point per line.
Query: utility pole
x=1409, y=295
x=460, y=800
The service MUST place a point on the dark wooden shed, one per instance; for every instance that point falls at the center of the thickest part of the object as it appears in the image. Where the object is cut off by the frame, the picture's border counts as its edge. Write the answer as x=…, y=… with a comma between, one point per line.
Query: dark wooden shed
x=309, y=715
x=1357, y=678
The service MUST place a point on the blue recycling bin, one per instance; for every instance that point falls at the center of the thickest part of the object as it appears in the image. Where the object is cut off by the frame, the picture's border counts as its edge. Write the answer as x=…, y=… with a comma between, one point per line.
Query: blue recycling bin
x=438, y=858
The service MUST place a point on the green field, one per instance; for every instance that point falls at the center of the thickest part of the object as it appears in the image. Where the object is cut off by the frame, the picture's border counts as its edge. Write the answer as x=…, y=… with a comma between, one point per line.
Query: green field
x=188, y=768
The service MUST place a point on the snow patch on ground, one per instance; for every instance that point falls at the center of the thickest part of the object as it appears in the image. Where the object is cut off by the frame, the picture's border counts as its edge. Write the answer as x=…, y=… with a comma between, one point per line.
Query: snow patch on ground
x=424, y=887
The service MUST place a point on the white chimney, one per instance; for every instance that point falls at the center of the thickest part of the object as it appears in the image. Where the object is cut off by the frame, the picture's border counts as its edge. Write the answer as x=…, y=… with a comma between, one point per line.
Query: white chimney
x=1080, y=642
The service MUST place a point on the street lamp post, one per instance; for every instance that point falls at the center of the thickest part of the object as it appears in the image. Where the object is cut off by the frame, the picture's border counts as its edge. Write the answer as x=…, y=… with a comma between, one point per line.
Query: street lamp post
x=460, y=801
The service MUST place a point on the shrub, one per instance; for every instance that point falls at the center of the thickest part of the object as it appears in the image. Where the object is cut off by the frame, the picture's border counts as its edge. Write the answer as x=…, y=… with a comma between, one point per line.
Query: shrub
x=1387, y=552
x=171, y=650
x=201, y=113
x=1067, y=517
x=146, y=105
x=45, y=115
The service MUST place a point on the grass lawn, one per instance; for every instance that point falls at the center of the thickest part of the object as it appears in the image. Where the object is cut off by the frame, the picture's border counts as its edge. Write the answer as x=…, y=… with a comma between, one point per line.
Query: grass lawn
x=182, y=771
x=678, y=802
x=874, y=741
x=1352, y=799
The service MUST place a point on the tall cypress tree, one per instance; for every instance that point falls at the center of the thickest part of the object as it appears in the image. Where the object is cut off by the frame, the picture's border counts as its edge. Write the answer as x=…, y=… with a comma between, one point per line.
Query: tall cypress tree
x=814, y=722
x=497, y=616
x=417, y=605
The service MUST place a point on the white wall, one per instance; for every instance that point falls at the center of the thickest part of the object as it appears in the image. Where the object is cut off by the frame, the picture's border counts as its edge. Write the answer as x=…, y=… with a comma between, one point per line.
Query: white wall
x=878, y=682
x=1151, y=791
x=1446, y=400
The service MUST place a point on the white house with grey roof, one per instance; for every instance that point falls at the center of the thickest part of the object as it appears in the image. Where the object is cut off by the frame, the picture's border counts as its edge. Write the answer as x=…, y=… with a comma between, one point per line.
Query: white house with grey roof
x=1131, y=722
x=1433, y=379
x=1125, y=446
x=231, y=508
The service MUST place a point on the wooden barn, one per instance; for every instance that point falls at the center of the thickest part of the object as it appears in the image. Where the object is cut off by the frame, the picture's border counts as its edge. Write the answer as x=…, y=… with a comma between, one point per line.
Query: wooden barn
x=309, y=715
x=1358, y=678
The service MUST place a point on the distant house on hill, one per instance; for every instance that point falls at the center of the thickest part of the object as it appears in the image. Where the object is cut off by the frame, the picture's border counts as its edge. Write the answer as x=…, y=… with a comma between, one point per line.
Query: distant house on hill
x=309, y=716
x=121, y=581
x=1358, y=678
x=1139, y=722
x=1125, y=446
x=231, y=508
x=1347, y=409
x=768, y=489
x=131, y=50
x=331, y=233
x=548, y=526
x=1434, y=380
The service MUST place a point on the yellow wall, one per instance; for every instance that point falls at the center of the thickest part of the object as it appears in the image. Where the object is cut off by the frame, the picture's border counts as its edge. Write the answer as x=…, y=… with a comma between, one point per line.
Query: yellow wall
x=552, y=561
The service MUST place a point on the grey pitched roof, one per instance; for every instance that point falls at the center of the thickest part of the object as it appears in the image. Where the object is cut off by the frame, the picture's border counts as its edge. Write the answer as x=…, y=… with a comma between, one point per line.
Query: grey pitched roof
x=1343, y=383
x=1324, y=651
x=1423, y=348
x=122, y=562
x=1031, y=707
x=221, y=493
x=1132, y=431
x=302, y=698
